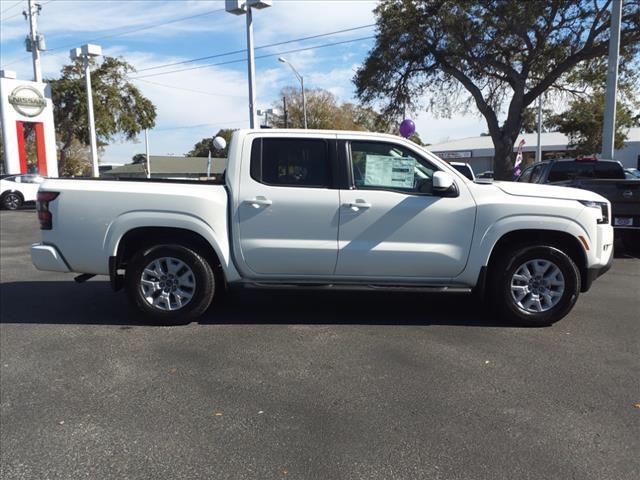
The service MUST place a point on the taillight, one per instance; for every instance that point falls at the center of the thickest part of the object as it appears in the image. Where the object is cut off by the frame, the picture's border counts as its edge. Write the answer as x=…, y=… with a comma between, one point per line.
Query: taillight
x=42, y=207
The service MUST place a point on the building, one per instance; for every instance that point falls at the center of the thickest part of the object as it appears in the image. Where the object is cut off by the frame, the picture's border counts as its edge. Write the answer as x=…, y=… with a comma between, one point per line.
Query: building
x=168, y=167
x=478, y=151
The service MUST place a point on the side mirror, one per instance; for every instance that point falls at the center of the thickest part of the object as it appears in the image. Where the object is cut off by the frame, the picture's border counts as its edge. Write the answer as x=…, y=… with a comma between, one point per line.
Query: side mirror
x=442, y=181
x=443, y=185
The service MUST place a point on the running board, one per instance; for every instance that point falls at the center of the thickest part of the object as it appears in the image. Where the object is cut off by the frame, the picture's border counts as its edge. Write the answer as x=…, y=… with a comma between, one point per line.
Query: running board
x=355, y=286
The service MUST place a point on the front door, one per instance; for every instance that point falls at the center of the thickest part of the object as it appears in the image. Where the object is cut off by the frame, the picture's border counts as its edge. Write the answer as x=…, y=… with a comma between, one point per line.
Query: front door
x=391, y=223
x=288, y=210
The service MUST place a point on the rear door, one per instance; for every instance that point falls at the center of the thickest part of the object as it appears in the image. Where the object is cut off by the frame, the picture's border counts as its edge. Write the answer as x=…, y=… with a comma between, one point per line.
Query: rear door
x=288, y=208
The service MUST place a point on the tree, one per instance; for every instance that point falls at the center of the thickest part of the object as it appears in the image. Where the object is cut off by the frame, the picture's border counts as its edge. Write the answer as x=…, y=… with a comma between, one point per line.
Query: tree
x=204, y=146
x=139, y=158
x=120, y=109
x=77, y=161
x=324, y=111
x=495, y=54
x=582, y=123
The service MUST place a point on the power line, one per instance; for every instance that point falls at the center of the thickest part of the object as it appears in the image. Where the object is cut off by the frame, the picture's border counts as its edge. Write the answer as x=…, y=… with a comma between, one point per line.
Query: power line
x=19, y=13
x=11, y=7
x=189, y=89
x=234, y=52
x=138, y=29
x=258, y=57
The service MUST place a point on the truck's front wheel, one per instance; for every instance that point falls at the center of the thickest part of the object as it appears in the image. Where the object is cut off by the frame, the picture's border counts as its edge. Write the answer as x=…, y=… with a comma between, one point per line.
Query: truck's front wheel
x=172, y=284
x=534, y=285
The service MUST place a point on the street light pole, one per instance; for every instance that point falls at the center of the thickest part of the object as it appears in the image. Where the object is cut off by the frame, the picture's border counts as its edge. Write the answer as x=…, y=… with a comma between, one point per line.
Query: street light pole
x=85, y=53
x=539, y=147
x=251, y=69
x=609, y=126
x=301, y=80
x=146, y=148
x=92, y=123
x=244, y=7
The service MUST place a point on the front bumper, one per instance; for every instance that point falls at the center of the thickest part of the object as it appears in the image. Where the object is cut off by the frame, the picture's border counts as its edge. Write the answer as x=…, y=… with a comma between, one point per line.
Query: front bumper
x=595, y=272
x=47, y=257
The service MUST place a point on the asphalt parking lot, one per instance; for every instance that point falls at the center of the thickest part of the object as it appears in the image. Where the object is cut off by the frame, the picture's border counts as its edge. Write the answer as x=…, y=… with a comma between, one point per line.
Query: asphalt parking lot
x=270, y=385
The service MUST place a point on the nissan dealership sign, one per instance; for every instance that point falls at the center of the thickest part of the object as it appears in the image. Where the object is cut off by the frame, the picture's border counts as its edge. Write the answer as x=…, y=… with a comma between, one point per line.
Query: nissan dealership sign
x=27, y=101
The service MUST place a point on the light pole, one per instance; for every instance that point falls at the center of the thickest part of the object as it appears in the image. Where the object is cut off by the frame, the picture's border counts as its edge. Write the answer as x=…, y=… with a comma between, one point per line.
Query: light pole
x=301, y=80
x=609, y=124
x=539, y=147
x=146, y=149
x=86, y=52
x=239, y=7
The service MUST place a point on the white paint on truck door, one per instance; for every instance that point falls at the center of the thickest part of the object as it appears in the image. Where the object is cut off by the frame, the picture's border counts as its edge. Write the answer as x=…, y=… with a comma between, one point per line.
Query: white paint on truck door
x=392, y=227
x=287, y=210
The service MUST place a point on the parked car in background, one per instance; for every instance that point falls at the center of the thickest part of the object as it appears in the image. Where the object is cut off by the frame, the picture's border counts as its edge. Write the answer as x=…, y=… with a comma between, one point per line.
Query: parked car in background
x=605, y=177
x=15, y=190
x=486, y=174
x=632, y=173
x=464, y=168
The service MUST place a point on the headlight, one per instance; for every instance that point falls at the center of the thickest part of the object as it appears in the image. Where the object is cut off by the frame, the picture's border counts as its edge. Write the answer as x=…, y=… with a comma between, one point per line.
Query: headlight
x=603, y=206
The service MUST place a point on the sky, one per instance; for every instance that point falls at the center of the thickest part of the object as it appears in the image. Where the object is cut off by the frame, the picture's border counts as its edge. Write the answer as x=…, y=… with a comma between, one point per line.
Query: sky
x=196, y=103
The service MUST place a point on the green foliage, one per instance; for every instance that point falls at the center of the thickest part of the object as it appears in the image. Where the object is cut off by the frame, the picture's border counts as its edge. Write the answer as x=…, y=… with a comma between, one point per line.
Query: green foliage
x=582, y=123
x=530, y=119
x=324, y=111
x=204, y=146
x=139, y=158
x=77, y=160
x=498, y=55
x=120, y=109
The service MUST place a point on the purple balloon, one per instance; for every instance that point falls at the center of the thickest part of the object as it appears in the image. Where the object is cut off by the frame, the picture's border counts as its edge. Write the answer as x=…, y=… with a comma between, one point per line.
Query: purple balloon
x=407, y=128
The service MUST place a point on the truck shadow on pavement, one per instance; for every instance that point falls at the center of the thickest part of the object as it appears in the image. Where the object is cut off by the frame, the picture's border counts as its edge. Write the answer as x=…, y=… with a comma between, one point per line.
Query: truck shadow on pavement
x=94, y=303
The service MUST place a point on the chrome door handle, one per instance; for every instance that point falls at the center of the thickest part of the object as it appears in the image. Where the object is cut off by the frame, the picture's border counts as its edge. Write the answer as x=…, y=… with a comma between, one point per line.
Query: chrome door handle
x=259, y=201
x=357, y=205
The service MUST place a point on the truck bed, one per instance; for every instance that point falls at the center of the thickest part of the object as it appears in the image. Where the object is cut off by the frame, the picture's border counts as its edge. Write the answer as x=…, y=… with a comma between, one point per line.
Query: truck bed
x=90, y=215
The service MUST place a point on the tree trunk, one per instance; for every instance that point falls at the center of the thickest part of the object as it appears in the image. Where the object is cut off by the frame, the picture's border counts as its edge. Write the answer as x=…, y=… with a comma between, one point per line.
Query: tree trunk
x=502, y=158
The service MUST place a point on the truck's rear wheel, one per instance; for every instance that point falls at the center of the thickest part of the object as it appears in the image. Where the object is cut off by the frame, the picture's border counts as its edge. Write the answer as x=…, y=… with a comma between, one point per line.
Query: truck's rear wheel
x=172, y=284
x=534, y=285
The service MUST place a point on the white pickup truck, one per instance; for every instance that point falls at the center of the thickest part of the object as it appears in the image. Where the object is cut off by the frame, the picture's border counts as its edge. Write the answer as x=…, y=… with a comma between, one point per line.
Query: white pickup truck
x=309, y=209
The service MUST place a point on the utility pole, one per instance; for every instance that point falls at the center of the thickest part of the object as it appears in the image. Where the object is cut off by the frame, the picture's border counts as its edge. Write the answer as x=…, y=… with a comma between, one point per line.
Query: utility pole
x=33, y=43
x=285, y=112
x=539, y=148
x=609, y=124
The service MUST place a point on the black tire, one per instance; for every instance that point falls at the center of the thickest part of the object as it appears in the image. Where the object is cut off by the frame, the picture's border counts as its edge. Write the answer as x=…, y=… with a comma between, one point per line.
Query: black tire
x=202, y=294
x=506, y=266
x=12, y=200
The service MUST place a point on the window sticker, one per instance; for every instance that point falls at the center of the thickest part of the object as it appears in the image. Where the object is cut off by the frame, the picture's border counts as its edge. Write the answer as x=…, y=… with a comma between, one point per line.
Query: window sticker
x=388, y=171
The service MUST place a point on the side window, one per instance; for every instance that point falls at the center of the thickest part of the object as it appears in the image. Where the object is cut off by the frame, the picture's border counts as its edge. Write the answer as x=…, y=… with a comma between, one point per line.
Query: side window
x=291, y=162
x=386, y=166
x=536, y=173
x=526, y=175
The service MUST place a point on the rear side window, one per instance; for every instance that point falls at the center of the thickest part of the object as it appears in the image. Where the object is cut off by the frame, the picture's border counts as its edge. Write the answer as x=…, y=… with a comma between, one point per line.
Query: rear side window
x=291, y=162
x=564, y=171
x=610, y=170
